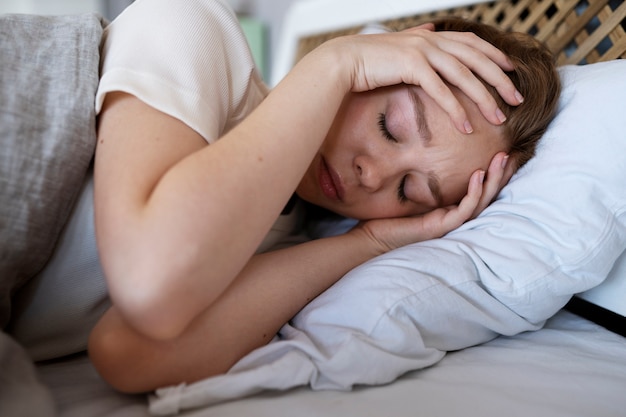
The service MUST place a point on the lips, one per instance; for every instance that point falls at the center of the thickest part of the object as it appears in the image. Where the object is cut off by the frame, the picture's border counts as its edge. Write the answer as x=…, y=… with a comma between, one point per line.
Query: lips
x=329, y=180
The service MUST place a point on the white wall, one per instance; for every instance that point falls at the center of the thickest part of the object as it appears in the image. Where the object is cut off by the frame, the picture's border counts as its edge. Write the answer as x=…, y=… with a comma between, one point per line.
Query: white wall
x=271, y=13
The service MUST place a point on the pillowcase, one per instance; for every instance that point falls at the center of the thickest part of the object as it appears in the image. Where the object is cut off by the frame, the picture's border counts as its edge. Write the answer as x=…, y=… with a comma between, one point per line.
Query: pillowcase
x=48, y=80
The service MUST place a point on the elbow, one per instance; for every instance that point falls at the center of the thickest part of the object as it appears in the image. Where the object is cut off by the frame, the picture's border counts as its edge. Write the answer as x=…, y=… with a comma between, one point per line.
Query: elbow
x=151, y=305
x=116, y=355
x=153, y=316
x=151, y=281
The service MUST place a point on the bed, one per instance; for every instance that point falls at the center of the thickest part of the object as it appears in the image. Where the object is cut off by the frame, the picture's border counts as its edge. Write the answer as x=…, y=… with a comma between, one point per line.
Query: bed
x=370, y=345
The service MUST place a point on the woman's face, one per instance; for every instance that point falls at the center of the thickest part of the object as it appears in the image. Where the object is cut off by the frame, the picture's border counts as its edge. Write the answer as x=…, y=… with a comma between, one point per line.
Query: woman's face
x=393, y=152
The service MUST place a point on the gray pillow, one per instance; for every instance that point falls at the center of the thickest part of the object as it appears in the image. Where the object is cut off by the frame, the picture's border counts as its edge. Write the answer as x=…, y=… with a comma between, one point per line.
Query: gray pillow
x=48, y=79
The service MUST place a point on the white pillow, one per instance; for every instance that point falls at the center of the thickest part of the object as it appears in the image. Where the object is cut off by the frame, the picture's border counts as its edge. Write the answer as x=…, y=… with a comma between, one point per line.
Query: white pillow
x=556, y=229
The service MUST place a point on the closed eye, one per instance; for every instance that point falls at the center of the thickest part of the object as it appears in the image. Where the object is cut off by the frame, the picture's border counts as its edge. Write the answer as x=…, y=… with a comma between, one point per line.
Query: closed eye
x=382, y=126
x=401, y=195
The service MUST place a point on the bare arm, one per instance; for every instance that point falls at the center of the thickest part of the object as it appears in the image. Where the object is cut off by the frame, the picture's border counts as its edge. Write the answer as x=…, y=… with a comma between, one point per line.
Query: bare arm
x=174, y=217
x=268, y=292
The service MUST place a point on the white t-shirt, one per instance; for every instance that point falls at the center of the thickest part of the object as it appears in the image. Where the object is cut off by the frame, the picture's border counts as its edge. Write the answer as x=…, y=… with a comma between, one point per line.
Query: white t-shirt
x=188, y=59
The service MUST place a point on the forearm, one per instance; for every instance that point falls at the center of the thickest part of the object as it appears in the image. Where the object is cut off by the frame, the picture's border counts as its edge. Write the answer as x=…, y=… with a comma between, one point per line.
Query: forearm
x=292, y=277
x=271, y=289
x=170, y=251
x=268, y=292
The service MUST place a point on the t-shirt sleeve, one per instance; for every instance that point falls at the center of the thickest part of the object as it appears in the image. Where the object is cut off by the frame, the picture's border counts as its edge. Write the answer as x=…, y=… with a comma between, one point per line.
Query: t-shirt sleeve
x=188, y=59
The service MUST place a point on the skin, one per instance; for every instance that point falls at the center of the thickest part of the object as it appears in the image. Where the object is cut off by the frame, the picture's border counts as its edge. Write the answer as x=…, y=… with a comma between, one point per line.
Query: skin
x=175, y=235
x=425, y=157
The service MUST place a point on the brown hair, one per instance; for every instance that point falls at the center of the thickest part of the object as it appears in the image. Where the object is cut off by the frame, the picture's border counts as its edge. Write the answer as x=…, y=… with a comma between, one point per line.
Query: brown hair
x=535, y=76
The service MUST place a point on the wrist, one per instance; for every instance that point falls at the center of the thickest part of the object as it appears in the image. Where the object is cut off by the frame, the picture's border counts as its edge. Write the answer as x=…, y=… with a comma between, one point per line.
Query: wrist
x=367, y=241
x=334, y=58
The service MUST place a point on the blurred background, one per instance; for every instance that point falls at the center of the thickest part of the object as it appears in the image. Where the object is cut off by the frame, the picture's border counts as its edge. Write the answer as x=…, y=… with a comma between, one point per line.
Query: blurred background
x=261, y=19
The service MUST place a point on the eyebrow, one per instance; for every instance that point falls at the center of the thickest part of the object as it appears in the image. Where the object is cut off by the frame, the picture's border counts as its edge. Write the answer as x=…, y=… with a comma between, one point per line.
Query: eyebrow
x=420, y=119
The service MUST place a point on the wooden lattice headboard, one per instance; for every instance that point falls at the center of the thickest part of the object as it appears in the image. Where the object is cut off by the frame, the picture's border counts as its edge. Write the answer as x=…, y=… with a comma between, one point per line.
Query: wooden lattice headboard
x=577, y=31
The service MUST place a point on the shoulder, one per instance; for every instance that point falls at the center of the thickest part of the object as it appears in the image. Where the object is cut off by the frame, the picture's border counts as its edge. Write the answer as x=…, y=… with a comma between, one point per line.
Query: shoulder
x=188, y=59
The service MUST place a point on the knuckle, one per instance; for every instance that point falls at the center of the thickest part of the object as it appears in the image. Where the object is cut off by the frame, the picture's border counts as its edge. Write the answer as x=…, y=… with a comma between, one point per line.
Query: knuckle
x=486, y=100
x=472, y=36
x=464, y=70
x=440, y=89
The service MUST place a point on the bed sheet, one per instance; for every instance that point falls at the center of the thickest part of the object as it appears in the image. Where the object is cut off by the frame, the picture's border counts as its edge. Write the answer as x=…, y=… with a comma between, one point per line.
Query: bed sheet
x=572, y=367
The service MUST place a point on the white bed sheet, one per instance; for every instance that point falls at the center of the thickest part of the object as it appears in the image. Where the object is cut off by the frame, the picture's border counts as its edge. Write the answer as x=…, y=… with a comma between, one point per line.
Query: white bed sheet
x=572, y=367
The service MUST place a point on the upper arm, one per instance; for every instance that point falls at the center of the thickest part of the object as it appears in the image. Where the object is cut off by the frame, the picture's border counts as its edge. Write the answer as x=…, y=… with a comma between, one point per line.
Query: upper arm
x=163, y=207
x=137, y=147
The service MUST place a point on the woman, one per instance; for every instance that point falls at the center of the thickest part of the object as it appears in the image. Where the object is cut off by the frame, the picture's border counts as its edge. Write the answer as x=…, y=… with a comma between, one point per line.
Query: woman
x=178, y=222
x=412, y=149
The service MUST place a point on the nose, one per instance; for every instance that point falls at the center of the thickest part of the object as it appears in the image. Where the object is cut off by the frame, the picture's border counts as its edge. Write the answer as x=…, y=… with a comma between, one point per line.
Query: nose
x=371, y=172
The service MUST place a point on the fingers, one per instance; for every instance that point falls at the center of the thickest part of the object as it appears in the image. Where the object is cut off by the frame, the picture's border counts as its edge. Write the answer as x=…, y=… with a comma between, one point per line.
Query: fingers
x=483, y=189
x=475, y=42
x=435, y=61
x=500, y=171
x=455, y=216
x=431, y=81
x=460, y=58
x=494, y=181
x=472, y=199
x=396, y=232
x=487, y=62
x=427, y=26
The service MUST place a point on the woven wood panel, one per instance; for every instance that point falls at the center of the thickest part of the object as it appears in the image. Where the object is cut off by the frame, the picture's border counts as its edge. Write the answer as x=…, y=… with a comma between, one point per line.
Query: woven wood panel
x=577, y=31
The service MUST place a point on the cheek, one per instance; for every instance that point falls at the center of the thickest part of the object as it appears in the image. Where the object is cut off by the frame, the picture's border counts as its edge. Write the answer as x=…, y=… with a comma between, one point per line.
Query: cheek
x=346, y=138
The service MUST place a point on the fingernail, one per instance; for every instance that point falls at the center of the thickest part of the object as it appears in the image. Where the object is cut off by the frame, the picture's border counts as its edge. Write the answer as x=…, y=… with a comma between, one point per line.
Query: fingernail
x=501, y=116
x=519, y=96
x=504, y=161
x=481, y=176
x=468, y=127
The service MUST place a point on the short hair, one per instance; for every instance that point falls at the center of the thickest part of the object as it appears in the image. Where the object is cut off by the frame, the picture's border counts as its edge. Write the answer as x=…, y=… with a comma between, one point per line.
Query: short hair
x=535, y=76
